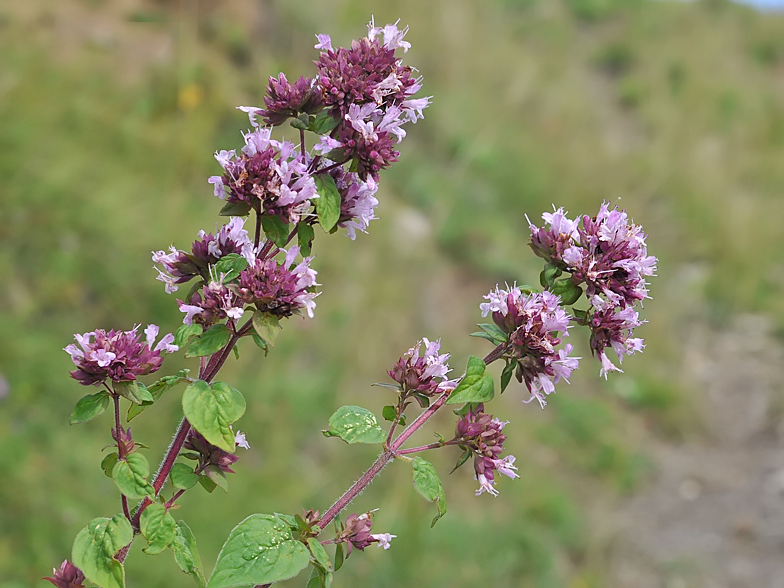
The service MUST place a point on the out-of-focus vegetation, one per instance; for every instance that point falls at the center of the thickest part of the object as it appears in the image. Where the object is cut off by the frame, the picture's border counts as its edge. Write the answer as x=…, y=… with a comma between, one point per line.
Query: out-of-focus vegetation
x=109, y=114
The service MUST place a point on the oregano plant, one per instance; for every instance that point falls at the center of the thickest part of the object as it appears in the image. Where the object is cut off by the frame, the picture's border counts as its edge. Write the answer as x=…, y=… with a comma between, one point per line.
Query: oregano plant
x=255, y=273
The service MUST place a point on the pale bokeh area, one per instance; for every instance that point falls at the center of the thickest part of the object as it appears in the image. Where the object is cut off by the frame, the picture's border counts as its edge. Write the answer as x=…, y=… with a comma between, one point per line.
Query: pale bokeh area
x=669, y=475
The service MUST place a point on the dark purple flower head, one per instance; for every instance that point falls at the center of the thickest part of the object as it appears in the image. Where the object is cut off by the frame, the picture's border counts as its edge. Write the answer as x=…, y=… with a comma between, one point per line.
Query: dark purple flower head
x=481, y=433
x=284, y=100
x=608, y=254
x=424, y=374
x=120, y=356
x=356, y=533
x=124, y=439
x=535, y=323
x=367, y=138
x=210, y=455
x=279, y=288
x=269, y=175
x=68, y=576
x=213, y=303
x=180, y=267
x=614, y=329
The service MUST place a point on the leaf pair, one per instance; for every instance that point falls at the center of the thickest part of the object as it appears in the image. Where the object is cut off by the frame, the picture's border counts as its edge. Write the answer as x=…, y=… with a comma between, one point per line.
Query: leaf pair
x=211, y=409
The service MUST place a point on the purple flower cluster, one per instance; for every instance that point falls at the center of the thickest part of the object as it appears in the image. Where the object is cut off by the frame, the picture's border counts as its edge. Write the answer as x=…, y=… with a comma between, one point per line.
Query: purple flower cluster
x=535, y=324
x=120, y=356
x=424, y=374
x=356, y=533
x=608, y=254
x=68, y=576
x=285, y=100
x=357, y=201
x=271, y=176
x=481, y=433
x=282, y=288
x=180, y=267
x=213, y=303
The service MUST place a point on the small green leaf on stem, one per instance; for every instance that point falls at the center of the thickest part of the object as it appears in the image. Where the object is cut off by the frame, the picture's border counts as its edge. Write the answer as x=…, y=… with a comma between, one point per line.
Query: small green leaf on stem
x=184, y=333
x=186, y=554
x=89, y=407
x=492, y=333
x=462, y=459
x=130, y=476
x=305, y=236
x=211, y=409
x=157, y=390
x=267, y=326
x=355, y=424
x=428, y=484
x=217, y=476
x=506, y=375
x=229, y=266
x=324, y=123
x=235, y=209
x=260, y=550
x=211, y=341
x=319, y=554
x=476, y=386
x=182, y=476
x=95, y=547
x=207, y=484
x=328, y=202
x=276, y=229
x=548, y=275
x=394, y=387
x=134, y=391
x=108, y=463
x=338, y=556
x=158, y=527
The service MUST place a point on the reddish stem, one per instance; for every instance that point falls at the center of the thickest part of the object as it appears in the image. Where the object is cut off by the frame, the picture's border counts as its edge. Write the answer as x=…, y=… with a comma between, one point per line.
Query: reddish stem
x=423, y=448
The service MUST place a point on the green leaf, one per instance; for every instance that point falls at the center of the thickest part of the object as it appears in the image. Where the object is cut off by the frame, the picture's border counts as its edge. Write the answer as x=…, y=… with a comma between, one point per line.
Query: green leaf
x=134, y=391
x=389, y=413
x=548, y=275
x=492, y=333
x=462, y=459
x=276, y=229
x=267, y=326
x=506, y=375
x=320, y=557
x=428, y=484
x=302, y=122
x=130, y=476
x=184, y=333
x=211, y=341
x=260, y=550
x=157, y=390
x=476, y=386
x=89, y=407
x=328, y=202
x=217, y=476
x=338, y=556
x=158, y=528
x=211, y=409
x=324, y=123
x=319, y=578
x=207, y=484
x=355, y=424
x=567, y=290
x=108, y=463
x=394, y=387
x=305, y=236
x=182, y=476
x=229, y=266
x=186, y=554
x=95, y=547
x=261, y=343
x=235, y=209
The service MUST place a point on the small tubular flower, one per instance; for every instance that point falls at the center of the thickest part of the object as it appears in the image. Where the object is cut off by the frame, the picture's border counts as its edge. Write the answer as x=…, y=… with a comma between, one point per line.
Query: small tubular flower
x=535, y=323
x=120, y=356
x=281, y=289
x=614, y=329
x=285, y=100
x=213, y=303
x=180, y=267
x=357, y=201
x=425, y=374
x=68, y=576
x=210, y=456
x=355, y=532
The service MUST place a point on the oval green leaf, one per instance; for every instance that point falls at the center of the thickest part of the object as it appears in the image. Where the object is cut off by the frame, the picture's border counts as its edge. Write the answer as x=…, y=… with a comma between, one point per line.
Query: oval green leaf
x=157, y=526
x=276, y=229
x=328, y=202
x=186, y=553
x=428, y=484
x=260, y=550
x=89, y=407
x=355, y=424
x=95, y=547
x=267, y=326
x=130, y=476
x=319, y=554
x=211, y=341
x=182, y=476
x=212, y=409
x=476, y=385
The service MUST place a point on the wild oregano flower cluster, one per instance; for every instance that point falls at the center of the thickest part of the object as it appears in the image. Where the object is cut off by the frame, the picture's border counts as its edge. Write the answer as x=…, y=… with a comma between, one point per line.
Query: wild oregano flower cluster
x=254, y=272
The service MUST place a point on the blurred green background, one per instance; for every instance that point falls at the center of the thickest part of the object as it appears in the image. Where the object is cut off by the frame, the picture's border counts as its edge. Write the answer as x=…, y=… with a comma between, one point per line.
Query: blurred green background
x=666, y=476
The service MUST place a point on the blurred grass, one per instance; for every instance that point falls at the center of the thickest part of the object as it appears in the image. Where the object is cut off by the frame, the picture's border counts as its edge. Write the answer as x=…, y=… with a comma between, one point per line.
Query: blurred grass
x=106, y=146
